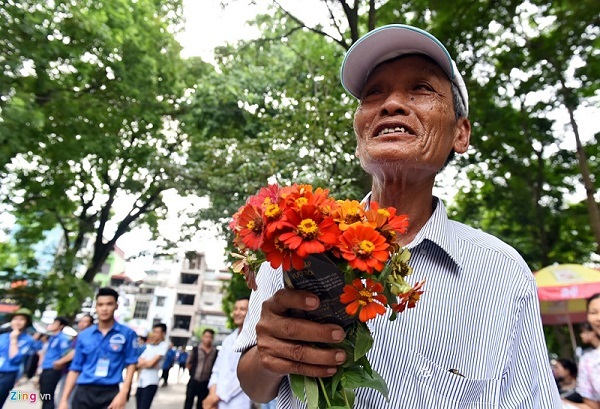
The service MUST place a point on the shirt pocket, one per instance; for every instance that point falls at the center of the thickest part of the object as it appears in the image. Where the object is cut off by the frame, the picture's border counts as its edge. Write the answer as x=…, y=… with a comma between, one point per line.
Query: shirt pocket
x=437, y=387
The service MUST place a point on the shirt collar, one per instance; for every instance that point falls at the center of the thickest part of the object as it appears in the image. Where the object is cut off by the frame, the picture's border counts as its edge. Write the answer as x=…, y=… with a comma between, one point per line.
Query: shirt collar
x=437, y=230
x=116, y=327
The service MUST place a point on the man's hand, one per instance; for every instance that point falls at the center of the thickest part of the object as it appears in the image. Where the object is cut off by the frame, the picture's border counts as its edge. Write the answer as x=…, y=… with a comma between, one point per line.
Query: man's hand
x=63, y=405
x=58, y=365
x=283, y=343
x=211, y=401
x=119, y=401
x=14, y=335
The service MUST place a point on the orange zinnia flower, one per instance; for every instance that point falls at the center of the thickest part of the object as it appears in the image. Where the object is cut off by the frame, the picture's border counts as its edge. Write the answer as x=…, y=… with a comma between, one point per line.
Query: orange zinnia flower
x=347, y=213
x=366, y=298
x=386, y=221
x=251, y=227
x=364, y=248
x=409, y=299
x=309, y=232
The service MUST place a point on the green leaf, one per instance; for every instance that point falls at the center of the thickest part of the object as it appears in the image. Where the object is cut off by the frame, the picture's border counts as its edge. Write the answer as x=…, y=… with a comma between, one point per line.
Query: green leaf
x=297, y=384
x=353, y=377
x=312, y=392
x=364, y=341
x=376, y=382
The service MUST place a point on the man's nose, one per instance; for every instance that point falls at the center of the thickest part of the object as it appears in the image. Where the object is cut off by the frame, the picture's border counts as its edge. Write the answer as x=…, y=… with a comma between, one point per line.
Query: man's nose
x=396, y=103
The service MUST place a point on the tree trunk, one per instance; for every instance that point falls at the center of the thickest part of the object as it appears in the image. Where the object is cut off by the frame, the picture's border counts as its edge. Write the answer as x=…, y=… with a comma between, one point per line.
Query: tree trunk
x=590, y=191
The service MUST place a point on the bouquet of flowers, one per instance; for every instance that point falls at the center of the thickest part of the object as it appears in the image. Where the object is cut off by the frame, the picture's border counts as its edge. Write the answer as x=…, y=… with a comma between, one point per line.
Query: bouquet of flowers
x=343, y=251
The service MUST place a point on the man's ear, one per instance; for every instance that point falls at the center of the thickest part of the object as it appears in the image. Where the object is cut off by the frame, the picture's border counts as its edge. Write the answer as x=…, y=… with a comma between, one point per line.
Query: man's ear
x=462, y=135
x=356, y=152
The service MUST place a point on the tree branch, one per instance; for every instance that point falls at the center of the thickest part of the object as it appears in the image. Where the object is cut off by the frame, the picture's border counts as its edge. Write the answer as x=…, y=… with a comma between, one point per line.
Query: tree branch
x=313, y=29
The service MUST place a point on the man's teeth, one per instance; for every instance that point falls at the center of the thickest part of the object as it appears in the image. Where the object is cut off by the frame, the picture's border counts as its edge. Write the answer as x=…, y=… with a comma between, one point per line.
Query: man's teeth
x=385, y=131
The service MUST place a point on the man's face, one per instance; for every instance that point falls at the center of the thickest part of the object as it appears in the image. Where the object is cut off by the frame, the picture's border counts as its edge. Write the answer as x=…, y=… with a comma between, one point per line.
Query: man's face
x=240, y=308
x=54, y=326
x=207, y=339
x=106, y=305
x=157, y=335
x=406, y=119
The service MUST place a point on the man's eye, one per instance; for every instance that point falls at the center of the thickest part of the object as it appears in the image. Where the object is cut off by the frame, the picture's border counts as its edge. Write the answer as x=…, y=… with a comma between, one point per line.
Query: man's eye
x=372, y=91
x=424, y=87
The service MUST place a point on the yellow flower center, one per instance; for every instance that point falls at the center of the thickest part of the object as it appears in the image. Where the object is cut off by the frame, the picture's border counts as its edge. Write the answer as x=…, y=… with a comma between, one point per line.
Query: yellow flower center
x=251, y=225
x=301, y=201
x=272, y=211
x=308, y=228
x=366, y=296
x=383, y=212
x=366, y=247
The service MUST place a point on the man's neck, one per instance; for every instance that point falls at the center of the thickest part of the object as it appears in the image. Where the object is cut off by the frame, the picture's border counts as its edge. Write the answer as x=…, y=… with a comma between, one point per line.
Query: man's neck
x=105, y=326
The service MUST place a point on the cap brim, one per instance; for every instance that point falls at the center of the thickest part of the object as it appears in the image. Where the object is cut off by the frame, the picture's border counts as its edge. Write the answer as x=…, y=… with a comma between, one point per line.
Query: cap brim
x=388, y=42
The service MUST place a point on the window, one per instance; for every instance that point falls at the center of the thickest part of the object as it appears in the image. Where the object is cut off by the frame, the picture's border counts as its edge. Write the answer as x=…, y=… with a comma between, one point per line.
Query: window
x=141, y=309
x=160, y=301
x=182, y=322
x=185, y=299
x=186, y=278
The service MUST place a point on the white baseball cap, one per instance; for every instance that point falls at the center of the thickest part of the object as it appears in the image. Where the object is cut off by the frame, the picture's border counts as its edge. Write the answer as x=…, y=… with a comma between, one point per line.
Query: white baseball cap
x=391, y=41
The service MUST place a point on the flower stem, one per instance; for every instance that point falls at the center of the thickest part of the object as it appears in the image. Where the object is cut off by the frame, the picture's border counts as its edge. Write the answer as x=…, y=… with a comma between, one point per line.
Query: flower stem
x=324, y=392
x=346, y=398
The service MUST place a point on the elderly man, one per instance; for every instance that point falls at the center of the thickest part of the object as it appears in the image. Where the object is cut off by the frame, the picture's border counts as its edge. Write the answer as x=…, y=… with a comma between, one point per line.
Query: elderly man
x=476, y=338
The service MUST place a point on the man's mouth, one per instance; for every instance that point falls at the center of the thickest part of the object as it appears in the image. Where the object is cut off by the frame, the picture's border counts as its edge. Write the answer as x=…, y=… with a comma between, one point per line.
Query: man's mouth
x=392, y=130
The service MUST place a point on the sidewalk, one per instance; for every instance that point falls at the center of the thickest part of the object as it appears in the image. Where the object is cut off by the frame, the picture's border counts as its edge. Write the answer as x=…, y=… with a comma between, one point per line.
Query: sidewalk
x=170, y=397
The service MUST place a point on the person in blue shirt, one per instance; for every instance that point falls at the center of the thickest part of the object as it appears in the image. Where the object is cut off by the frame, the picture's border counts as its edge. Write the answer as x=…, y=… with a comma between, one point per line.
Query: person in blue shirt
x=168, y=364
x=181, y=361
x=14, y=346
x=102, y=352
x=58, y=345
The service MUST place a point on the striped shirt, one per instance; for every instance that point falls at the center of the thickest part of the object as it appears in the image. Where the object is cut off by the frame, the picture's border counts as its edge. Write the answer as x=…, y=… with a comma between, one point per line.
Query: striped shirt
x=479, y=316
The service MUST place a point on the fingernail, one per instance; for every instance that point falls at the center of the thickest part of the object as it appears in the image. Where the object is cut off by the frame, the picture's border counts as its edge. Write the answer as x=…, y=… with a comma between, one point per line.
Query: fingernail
x=337, y=335
x=340, y=357
x=311, y=302
x=331, y=371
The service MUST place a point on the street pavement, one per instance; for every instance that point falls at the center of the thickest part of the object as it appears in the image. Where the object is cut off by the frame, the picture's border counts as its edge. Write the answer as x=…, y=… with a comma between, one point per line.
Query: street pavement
x=169, y=397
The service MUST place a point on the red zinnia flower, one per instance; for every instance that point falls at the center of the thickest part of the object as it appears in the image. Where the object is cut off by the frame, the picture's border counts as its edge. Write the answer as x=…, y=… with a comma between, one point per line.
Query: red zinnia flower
x=410, y=298
x=364, y=248
x=278, y=254
x=250, y=224
x=309, y=232
x=366, y=298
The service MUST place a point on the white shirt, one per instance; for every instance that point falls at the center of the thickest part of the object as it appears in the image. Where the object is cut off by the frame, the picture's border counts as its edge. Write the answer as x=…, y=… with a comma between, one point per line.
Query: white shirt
x=479, y=315
x=149, y=376
x=224, y=375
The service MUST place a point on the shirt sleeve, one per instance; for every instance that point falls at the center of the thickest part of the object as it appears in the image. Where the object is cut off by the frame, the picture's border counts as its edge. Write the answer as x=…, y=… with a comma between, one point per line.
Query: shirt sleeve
x=527, y=382
x=228, y=384
x=163, y=349
x=268, y=282
x=78, y=358
x=132, y=351
x=588, y=381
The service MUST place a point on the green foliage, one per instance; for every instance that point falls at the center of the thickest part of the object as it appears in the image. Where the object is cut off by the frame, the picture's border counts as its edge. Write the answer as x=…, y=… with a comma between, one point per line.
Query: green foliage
x=235, y=289
x=93, y=90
